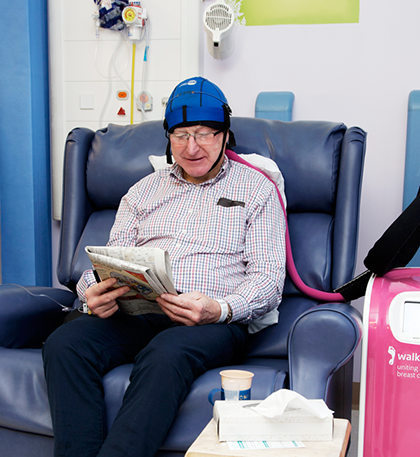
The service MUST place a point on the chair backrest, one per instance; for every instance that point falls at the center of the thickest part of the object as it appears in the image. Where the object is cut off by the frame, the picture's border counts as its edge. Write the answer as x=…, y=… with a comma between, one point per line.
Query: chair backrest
x=322, y=164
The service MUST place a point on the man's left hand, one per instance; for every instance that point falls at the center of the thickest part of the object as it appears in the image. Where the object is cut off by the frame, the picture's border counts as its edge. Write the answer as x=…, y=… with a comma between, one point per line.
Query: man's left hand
x=189, y=309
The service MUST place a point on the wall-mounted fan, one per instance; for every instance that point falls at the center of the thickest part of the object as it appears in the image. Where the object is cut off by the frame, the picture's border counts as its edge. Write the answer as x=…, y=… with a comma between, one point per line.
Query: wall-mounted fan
x=218, y=23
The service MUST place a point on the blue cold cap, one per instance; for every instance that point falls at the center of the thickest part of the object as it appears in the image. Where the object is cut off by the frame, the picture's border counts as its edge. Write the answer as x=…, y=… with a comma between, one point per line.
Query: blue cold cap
x=197, y=101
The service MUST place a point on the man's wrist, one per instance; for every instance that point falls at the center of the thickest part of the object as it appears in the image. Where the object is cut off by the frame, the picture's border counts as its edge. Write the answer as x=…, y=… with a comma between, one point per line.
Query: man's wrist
x=226, y=312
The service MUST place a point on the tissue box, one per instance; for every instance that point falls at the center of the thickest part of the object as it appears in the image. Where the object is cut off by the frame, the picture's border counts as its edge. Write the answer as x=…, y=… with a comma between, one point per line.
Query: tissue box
x=236, y=423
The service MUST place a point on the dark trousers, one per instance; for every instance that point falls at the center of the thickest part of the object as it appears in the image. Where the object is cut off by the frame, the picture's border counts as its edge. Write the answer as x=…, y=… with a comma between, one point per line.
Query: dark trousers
x=167, y=359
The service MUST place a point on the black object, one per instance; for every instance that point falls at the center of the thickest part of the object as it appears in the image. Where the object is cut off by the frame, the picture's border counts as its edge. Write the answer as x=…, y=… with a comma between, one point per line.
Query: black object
x=394, y=249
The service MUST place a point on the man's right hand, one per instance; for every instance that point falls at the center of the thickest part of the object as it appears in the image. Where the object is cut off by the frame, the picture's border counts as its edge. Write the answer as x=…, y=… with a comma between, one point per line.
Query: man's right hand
x=101, y=298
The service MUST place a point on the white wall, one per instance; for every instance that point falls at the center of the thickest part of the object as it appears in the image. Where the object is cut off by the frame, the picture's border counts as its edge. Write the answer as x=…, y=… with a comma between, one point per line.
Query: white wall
x=360, y=74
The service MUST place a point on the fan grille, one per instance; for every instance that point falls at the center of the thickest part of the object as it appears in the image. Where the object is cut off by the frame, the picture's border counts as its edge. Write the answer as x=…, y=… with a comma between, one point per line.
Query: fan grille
x=219, y=17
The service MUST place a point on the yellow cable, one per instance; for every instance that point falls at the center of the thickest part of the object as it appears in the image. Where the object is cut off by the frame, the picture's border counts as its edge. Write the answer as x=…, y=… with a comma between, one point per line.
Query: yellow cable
x=132, y=83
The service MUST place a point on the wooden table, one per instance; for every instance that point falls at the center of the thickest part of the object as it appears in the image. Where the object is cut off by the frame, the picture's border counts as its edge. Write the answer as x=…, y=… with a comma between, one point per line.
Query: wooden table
x=208, y=445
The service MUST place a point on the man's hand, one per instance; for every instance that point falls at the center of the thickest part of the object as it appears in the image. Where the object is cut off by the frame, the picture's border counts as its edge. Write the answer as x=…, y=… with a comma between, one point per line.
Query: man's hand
x=101, y=298
x=190, y=309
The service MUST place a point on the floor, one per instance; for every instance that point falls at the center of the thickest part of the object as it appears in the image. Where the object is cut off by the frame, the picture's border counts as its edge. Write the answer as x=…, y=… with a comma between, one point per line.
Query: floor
x=354, y=434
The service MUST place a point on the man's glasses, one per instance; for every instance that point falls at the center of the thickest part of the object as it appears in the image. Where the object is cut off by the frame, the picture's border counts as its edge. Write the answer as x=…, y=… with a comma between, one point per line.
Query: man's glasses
x=201, y=138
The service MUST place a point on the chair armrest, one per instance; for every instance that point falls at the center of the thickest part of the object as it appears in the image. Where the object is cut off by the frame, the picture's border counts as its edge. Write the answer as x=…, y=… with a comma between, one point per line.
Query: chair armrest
x=76, y=204
x=321, y=340
x=29, y=314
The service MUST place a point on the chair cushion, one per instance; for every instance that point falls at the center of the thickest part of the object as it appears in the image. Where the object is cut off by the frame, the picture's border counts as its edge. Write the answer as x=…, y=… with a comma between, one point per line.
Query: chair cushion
x=272, y=341
x=312, y=232
x=119, y=158
x=310, y=174
x=96, y=233
x=23, y=392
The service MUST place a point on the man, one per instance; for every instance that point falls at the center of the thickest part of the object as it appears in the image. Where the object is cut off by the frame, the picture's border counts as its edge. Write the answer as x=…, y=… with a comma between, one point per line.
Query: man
x=222, y=225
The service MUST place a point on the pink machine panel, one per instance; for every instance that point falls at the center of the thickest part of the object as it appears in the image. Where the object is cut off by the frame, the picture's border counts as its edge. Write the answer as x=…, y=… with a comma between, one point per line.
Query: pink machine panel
x=390, y=378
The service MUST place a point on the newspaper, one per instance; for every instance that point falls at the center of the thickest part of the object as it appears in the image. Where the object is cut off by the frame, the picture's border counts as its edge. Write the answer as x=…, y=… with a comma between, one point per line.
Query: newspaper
x=147, y=271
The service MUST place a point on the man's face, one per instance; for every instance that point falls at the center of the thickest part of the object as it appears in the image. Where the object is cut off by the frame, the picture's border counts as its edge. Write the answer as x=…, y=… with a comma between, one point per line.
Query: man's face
x=195, y=158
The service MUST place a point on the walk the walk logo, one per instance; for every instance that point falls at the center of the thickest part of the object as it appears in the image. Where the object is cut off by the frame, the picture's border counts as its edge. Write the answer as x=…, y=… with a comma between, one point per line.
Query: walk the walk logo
x=407, y=363
x=407, y=357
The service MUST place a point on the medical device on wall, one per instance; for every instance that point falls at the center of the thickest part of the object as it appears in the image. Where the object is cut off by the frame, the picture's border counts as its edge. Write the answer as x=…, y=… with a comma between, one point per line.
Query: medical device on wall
x=134, y=16
x=219, y=21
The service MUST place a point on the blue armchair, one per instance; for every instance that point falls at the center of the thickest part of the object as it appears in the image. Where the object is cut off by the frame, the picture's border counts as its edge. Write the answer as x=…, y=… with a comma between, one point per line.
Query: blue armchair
x=310, y=350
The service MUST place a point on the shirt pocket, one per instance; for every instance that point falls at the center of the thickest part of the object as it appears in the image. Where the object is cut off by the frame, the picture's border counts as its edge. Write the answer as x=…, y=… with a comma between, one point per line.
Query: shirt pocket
x=225, y=229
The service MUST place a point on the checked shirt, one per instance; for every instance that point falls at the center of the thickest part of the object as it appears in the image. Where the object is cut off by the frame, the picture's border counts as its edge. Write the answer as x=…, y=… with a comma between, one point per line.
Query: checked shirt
x=225, y=237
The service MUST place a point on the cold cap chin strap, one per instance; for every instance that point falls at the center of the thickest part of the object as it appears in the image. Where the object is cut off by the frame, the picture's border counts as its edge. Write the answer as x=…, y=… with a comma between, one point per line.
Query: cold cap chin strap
x=168, y=151
x=221, y=152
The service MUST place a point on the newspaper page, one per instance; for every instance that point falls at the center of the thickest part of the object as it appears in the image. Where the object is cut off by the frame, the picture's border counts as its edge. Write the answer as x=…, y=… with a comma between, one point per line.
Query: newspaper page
x=147, y=271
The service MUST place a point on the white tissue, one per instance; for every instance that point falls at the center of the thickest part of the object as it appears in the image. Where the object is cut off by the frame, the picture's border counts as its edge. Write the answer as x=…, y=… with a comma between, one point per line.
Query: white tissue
x=283, y=401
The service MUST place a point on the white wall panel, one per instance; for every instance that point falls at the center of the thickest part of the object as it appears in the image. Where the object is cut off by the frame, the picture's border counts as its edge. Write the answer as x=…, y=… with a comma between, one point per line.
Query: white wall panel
x=89, y=62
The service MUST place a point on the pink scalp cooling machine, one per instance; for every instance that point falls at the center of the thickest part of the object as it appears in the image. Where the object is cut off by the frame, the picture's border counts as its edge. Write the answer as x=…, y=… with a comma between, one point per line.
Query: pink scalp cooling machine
x=389, y=419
